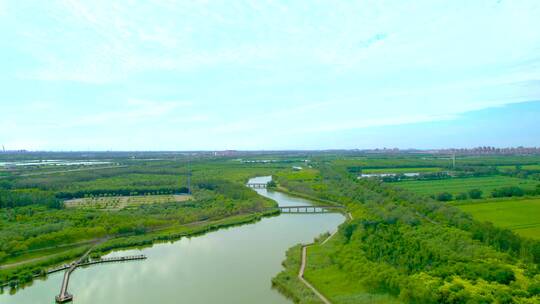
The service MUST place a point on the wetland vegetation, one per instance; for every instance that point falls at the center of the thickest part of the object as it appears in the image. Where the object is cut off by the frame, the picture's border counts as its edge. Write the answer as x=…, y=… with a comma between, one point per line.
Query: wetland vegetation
x=404, y=242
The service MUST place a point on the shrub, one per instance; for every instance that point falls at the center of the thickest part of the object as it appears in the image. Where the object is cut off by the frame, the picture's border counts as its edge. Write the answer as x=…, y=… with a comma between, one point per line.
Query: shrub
x=444, y=197
x=508, y=192
x=534, y=289
x=271, y=184
x=475, y=193
x=461, y=196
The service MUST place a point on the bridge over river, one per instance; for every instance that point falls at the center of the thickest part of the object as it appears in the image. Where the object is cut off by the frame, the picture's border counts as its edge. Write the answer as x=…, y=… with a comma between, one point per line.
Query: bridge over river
x=256, y=185
x=310, y=209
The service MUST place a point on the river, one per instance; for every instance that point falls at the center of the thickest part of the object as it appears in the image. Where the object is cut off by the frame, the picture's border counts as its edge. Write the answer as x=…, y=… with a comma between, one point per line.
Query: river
x=232, y=265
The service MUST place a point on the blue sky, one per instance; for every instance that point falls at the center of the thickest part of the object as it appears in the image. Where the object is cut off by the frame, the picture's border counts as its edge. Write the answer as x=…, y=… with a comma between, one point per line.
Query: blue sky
x=182, y=75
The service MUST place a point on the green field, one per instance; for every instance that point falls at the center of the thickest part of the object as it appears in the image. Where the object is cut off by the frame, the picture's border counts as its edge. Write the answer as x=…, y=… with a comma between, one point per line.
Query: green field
x=513, y=168
x=403, y=170
x=459, y=185
x=430, y=160
x=305, y=174
x=519, y=215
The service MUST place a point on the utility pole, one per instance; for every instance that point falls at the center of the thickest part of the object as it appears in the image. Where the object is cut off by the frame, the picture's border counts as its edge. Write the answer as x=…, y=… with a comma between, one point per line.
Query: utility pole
x=454, y=160
x=189, y=177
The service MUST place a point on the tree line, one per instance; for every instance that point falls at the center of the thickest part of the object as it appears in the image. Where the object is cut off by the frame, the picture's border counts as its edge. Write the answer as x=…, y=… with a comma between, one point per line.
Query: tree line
x=421, y=250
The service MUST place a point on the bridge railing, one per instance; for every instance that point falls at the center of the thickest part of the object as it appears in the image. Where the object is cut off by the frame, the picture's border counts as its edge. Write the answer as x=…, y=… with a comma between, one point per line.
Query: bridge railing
x=309, y=209
x=256, y=185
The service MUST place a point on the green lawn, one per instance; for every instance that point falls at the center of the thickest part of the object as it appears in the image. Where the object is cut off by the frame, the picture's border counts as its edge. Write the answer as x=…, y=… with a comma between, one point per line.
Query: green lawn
x=458, y=185
x=519, y=215
x=403, y=170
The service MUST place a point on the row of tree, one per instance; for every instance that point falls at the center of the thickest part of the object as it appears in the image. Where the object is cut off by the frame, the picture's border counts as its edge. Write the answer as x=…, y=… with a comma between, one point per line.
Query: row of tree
x=510, y=191
x=19, y=198
x=121, y=192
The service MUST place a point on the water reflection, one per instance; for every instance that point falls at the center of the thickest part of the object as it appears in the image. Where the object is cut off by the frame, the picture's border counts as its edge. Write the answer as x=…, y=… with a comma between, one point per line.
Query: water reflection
x=233, y=265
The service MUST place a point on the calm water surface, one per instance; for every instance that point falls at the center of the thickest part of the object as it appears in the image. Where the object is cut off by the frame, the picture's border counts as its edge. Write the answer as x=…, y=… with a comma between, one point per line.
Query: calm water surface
x=233, y=265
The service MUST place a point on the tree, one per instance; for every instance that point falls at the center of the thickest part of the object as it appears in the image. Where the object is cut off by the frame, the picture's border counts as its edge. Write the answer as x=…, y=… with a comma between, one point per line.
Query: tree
x=444, y=197
x=475, y=193
x=462, y=196
x=508, y=192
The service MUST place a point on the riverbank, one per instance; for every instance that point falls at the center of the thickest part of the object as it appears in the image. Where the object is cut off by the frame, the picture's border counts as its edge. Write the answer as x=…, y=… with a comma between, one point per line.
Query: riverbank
x=288, y=283
x=40, y=267
x=232, y=265
x=316, y=201
x=23, y=275
x=310, y=278
x=291, y=281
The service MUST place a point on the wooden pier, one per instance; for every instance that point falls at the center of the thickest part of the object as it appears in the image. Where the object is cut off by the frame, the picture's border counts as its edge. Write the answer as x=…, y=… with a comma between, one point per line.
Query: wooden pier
x=114, y=259
x=64, y=295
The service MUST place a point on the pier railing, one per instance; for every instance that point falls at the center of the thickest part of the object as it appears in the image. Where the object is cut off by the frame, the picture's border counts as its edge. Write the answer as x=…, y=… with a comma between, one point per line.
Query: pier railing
x=64, y=295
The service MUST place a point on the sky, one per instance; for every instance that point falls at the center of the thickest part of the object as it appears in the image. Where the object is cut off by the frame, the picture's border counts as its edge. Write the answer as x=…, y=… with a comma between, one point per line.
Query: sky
x=266, y=75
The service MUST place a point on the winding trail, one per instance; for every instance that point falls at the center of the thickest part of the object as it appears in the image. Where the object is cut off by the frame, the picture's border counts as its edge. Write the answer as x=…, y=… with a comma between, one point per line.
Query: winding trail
x=335, y=232
x=304, y=264
x=301, y=276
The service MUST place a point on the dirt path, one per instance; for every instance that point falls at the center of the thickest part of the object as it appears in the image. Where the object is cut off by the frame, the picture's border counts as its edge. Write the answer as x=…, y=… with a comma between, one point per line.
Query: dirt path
x=29, y=261
x=37, y=259
x=328, y=238
x=301, y=276
x=304, y=264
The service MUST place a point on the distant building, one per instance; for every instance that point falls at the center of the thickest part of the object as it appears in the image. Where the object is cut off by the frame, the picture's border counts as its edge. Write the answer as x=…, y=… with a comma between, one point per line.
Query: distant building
x=491, y=151
x=226, y=153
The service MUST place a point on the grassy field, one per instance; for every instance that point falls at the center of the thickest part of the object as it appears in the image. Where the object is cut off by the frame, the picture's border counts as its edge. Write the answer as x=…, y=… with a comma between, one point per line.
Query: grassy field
x=459, y=185
x=305, y=174
x=513, y=168
x=335, y=283
x=519, y=215
x=403, y=170
x=394, y=162
x=427, y=160
x=121, y=202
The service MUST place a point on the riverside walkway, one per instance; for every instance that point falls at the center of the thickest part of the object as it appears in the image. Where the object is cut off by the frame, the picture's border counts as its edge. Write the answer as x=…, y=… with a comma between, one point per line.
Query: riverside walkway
x=64, y=295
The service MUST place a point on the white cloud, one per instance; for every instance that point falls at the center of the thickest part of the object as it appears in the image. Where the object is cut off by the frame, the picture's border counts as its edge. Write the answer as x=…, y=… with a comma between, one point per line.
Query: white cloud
x=3, y=8
x=297, y=67
x=133, y=111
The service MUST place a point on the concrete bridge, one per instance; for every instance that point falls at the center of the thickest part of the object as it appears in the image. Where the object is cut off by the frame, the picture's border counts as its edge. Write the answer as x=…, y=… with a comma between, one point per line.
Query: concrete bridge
x=257, y=185
x=64, y=295
x=310, y=209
